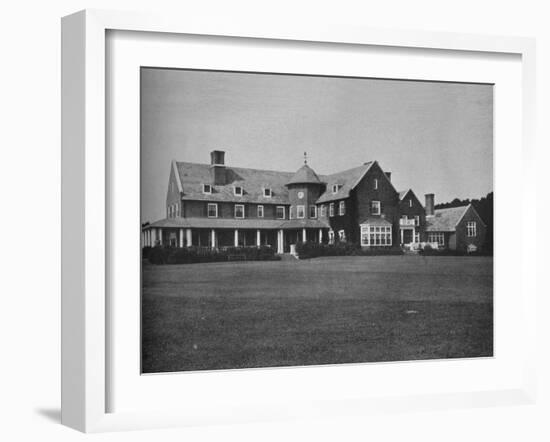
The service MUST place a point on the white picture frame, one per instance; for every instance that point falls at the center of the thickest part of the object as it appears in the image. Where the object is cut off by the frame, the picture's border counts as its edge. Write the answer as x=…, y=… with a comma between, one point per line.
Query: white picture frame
x=85, y=199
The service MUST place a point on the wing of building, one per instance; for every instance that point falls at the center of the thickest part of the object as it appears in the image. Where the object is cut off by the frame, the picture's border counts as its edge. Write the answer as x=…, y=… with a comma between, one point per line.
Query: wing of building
x=214, y=205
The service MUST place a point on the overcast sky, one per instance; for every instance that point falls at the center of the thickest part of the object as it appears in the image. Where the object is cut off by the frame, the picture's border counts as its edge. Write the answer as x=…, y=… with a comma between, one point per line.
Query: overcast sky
x=433, y=137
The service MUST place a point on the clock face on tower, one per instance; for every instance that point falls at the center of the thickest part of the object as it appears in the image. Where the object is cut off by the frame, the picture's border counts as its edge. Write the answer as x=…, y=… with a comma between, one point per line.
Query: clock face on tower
x=300, y=195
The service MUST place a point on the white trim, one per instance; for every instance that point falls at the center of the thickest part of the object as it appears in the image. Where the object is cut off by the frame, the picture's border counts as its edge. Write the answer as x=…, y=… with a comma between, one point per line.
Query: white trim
x=284, y=212
x=235, y=211
x=342, y=208
x=331, y=210
x=204, y=189
x=379, y=207
x=258, y=211
x=235, y=190
x=298, y=211
x=314, y=207
x=208, y=210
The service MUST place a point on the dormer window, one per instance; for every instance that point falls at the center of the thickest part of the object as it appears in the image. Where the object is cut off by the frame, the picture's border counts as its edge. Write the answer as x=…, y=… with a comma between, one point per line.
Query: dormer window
x=206, y=188
x=238, y=190
x=335, y=188
x=267, y=192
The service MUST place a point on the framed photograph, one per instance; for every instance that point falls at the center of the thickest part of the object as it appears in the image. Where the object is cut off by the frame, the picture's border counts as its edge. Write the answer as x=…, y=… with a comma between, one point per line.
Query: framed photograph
x=266, y=222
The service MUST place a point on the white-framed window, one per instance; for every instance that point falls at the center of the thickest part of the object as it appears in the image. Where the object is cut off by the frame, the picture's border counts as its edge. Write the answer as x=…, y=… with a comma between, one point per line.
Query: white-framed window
x=169, y=211
x=342, y=208
x=260, y=211
x=335, y=188
x=323, y=211
x=437, y=237
x=177, y=210
x=417, y=220
x=376, y=235
x=313, y=211
x=331, y=236
x=375, y=208
x=267, y=192
x=331, y=209
x=300, y=211
x=239, y=210
x=280, y=212
x=410, y=202
x=238, y=190
x=472, y=228
x=212, y=210
x=206, y=188
x=375, y=183
x=341, y=235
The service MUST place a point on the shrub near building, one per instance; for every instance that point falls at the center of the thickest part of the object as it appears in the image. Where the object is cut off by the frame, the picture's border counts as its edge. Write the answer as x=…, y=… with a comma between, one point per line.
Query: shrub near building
x=191, y=255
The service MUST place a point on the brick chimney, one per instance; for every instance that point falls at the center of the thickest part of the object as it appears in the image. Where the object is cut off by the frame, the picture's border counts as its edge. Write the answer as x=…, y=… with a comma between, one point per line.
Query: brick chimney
x=218, y=172
x=430, y=203
x=388, y=174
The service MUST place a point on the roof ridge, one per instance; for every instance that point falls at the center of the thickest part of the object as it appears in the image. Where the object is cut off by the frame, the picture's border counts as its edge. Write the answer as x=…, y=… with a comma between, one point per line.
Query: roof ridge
x=236, y=168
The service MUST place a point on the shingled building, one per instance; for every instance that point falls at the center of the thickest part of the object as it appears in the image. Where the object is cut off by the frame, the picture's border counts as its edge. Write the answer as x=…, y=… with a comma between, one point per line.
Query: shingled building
x=214, y=205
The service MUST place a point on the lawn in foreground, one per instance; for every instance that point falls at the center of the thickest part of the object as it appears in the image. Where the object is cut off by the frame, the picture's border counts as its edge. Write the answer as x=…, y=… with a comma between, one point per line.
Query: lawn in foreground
x=320, y=311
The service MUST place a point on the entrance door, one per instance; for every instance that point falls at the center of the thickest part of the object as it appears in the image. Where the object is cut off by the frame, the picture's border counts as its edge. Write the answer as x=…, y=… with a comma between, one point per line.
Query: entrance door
x=407, y=236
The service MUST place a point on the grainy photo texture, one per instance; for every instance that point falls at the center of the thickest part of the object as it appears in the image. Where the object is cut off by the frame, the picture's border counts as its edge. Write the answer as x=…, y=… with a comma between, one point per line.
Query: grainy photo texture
x=292, y=220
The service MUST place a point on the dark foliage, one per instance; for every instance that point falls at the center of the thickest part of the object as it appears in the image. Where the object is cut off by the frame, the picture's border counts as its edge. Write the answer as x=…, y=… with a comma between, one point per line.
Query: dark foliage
x=190, y=255
x=306, y=250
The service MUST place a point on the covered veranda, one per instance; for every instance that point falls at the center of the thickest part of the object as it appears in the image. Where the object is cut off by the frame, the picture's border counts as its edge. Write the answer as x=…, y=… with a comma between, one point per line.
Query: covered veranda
x=219, y=233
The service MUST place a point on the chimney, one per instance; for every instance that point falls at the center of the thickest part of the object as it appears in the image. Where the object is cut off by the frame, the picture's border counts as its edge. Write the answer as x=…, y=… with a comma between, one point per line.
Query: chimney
x=218, y=174
x=388, y=174
x=430, y=203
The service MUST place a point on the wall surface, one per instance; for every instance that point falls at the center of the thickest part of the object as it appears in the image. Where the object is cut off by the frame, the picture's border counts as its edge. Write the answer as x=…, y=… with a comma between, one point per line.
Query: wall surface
x=30, y=146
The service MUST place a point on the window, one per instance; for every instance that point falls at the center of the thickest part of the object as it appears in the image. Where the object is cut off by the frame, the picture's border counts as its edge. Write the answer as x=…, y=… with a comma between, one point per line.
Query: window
x=376, y=235
x=239, y=211
x=437, y=237
x=300, y=212
x=342, y=208
x=342, y=235
x=410, y=203
x=169, y=211
x=267, y=192
x=313, y=211
x=280, y=212
x=375, y=207
x=176, y=210
x=212, y=210
x=472, y=228
x=331, y=209
x=331, y=236
x=260, y=211
x=206, y=188
x=335, y=188
x=416, y=220
x=323, y=210
x=417, y=237
x=375, y=183
x=238, y=190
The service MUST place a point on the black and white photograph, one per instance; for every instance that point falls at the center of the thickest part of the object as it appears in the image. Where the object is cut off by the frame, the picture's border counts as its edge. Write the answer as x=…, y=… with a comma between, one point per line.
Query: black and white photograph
x=304, y=220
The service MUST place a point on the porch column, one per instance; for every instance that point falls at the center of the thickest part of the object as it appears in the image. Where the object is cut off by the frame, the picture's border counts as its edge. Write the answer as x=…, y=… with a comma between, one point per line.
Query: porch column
x=304, y=235
x=181, y=237
x=160, y=236
x=320, y=236
x=213, y=236
x=153, y=236
x=280, y=239
x=258, y=238
x=189, y=237
x=146, y=238
x=402, y=239
x=236, y=242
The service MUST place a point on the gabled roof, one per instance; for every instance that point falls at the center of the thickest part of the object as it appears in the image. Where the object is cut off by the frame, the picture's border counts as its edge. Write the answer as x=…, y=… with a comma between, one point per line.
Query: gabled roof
x=253, y=181
x=446, y=220
x=403, y=193
x=305, y=175
x=346, y=179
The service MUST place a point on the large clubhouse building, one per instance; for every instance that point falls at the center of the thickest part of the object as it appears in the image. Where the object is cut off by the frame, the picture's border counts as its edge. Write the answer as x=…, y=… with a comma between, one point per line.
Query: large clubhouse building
x=213, y=205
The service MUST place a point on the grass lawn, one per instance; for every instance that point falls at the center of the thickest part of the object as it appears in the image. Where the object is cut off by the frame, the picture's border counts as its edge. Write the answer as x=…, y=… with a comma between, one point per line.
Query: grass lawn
x=320, y=311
